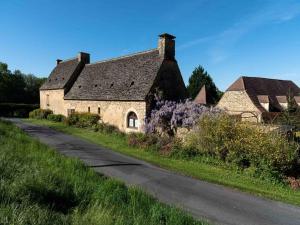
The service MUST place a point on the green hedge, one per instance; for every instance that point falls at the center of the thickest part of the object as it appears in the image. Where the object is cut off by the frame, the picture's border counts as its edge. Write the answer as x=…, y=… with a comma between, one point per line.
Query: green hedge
x=16, y=109
x=56, y=118
x=82, y=119
x=40, y=113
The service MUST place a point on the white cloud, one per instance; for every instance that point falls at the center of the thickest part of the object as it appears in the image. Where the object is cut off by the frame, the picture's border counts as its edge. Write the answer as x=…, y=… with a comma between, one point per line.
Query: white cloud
x=274, y=12
x=195, y=42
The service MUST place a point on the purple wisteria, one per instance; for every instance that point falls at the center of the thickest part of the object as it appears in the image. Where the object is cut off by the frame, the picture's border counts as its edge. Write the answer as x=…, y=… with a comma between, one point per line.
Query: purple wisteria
x=169, y=115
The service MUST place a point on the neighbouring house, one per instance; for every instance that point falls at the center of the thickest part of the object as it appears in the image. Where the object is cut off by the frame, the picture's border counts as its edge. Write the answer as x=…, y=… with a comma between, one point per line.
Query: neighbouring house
x=250, y=97
x=121, y=90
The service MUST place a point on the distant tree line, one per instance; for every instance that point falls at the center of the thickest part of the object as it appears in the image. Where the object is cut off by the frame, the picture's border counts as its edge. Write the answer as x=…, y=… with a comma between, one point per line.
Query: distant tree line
x=16, y=87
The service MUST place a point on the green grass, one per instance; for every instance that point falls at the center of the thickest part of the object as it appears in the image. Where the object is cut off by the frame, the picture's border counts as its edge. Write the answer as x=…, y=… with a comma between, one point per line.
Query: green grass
x=40, y=186
x=204, y=171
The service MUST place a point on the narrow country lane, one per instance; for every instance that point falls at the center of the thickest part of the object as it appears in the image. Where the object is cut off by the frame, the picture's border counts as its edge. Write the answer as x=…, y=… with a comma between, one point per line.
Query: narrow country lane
x=217, y=204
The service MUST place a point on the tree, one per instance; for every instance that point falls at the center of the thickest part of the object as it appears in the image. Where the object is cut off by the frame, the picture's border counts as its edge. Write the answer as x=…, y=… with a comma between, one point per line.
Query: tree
x=16, y=87
x=199, y=78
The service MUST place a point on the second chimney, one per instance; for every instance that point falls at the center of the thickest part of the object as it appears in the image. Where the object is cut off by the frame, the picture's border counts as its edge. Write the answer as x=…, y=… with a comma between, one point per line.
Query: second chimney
x=58, y=61
x=166, y=46
x=83, y=57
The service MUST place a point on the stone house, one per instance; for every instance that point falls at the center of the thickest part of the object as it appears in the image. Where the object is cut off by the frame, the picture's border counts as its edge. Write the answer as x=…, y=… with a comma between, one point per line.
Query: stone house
x=250, y=97
x=121, y=90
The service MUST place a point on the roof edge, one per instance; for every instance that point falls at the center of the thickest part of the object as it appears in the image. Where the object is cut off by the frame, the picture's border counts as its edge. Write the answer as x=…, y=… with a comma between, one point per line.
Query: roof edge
x=122, y=57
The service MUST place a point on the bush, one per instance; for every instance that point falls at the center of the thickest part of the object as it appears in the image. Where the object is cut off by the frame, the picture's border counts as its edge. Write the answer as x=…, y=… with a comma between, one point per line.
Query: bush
x=161, y=144
x=40, y=113
x=106, y=128
x=16, y=110
x=56, y=118
x=243, y=144
x=82, y=119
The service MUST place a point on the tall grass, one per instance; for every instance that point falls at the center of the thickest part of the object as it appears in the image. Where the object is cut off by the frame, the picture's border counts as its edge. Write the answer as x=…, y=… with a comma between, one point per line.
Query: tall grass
x=204, y=168
x=40, y=186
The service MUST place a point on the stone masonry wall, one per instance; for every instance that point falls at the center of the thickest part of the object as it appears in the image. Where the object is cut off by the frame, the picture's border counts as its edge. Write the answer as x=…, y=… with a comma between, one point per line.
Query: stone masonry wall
x=112, y=112
x=239, y=103
x=55, y=100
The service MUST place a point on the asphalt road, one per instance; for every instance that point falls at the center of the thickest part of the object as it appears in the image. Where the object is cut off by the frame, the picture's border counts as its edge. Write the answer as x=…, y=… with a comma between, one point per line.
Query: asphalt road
x=217, y=204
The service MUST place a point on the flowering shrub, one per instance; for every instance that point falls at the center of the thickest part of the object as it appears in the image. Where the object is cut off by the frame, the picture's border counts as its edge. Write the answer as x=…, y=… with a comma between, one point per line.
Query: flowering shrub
x=243, y=144
x=169, y=115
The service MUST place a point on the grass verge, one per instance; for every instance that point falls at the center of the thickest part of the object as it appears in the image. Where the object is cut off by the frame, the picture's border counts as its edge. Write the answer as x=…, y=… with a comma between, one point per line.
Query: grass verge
x=204, y=171
x=40, y=186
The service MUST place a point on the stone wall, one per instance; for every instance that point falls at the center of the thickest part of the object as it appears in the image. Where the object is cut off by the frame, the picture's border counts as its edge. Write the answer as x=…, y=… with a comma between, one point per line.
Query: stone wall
x=239, y=103
x=112, y=112
x=55, y=100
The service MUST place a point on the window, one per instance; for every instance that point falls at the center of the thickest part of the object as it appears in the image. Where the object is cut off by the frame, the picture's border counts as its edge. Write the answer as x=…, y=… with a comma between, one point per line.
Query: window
x=99, y=110
x=71, y=111
x=132, y=120
x=89, y=109
x=47, y=100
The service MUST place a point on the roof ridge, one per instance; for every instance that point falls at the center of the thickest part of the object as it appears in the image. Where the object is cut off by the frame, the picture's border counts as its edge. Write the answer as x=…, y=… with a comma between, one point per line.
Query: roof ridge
x=243, y=82
x=124, y=56
x=67, y=60
x=266, y=78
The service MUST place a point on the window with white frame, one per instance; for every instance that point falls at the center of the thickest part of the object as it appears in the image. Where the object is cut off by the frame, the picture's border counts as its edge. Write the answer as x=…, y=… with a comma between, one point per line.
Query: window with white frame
x=132, y=120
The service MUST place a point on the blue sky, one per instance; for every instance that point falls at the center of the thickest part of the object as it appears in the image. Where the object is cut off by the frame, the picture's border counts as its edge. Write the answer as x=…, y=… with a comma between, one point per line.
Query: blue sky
x=228, y=38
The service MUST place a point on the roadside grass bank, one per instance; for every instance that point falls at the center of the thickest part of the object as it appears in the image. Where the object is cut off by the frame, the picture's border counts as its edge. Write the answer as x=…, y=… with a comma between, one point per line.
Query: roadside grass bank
x=40, y=186
x=199, y=167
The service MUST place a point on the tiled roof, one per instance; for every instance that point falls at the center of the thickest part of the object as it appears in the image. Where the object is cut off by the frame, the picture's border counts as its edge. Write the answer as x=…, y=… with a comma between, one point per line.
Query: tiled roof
x=264, y=86
x=297, y=99
x=282, y=99
x=201, y=97
x=263, y=98
x=125, y=78
x=61, y=74
x=257, y=86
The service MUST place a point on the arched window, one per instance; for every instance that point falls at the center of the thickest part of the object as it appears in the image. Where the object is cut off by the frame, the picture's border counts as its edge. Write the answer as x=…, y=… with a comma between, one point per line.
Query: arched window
x=132, y=120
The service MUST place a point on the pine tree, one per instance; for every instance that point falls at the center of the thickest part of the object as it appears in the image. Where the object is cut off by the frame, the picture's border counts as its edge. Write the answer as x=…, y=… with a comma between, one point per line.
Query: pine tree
x=199, y=78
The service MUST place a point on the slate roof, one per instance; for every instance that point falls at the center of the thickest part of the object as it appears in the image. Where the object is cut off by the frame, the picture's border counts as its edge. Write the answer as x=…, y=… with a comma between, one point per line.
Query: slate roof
x=126, y=78
x=61, y=74
x=273, y=88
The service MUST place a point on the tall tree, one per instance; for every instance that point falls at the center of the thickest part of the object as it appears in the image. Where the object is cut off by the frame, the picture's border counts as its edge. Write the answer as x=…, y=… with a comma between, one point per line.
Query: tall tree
x=16, y=87
x=199, y=78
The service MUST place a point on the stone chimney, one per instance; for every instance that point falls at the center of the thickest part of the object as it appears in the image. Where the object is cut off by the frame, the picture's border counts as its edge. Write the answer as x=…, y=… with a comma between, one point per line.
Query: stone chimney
x=166, y=46
x=58, y=61
x=83, y=57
